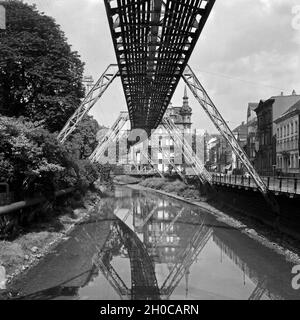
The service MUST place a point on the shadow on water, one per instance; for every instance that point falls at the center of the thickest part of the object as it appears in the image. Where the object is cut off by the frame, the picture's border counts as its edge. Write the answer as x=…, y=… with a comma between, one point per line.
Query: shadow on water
x=139, y=245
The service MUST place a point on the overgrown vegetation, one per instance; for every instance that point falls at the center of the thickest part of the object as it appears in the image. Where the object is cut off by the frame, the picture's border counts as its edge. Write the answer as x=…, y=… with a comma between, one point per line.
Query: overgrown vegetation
x=126, y=180
x=177, y=187
x=40, y=76
x=40, y=88
x=33, y=162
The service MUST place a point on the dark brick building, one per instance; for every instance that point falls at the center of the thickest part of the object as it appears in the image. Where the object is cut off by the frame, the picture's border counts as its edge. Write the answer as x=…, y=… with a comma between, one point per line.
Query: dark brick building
x=267, y=112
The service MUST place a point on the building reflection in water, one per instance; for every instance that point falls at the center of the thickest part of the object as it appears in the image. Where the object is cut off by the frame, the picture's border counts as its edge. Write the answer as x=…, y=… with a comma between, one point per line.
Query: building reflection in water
x=146, y=246
x=174, y=236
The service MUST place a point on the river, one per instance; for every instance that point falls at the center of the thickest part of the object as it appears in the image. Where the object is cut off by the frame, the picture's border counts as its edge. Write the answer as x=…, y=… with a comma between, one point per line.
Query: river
x=142, y=245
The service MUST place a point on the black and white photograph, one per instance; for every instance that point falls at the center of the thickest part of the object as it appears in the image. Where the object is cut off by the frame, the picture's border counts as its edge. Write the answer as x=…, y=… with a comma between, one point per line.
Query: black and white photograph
x=149, y=152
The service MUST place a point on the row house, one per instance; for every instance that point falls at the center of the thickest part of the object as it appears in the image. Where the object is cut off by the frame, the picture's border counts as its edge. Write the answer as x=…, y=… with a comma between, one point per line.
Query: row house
x=161, y=147
x=240, y=133
x=267, y=113
x=219, y=154
x=287, y=141
x=251, y=132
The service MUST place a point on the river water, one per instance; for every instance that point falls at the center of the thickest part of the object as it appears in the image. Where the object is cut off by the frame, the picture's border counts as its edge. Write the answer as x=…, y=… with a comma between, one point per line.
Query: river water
x=142, y=245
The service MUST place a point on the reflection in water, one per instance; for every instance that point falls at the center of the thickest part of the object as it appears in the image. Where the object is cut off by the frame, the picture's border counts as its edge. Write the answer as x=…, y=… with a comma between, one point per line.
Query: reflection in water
x=148, y=246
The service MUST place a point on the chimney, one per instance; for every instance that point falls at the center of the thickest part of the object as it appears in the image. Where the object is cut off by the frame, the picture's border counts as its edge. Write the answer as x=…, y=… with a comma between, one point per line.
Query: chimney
x=294, y=93
x=282, y=93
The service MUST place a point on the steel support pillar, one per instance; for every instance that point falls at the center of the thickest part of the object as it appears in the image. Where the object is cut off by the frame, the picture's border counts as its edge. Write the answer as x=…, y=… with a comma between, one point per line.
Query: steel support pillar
x=110, y=136
x=89, y=101
x=198, y=167
x=167, y=157
x=209, y=107
x=146, y=156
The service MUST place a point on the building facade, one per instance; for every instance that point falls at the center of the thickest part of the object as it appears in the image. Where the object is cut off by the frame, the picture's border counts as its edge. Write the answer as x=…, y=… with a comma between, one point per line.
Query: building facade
x=267, y=112
x=161, y=147
x=287, y=142
x=252, y=132
x=240, y=133
x=219, y=153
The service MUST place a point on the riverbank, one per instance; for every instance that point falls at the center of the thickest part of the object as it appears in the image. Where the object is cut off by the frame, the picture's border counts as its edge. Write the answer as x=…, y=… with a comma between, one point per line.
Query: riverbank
x=287, y=247
x=33, y=244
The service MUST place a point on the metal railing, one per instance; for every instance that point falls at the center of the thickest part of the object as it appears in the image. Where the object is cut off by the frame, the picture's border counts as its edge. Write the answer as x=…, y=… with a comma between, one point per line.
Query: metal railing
x=276, y=184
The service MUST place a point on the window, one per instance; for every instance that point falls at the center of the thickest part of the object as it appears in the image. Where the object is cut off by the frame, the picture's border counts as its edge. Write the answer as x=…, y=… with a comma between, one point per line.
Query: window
x=292, y=128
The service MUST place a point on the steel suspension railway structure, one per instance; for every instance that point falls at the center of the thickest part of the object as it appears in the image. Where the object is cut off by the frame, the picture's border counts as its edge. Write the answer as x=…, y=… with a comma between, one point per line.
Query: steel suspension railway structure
x=153, y=41
x=143, y=280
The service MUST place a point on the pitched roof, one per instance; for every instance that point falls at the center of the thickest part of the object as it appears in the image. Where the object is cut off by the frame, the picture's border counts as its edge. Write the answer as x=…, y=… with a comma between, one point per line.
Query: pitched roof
x=292, y=109
x=241, y=127
x=280, y=104
x=295, y=107
x=252, y=105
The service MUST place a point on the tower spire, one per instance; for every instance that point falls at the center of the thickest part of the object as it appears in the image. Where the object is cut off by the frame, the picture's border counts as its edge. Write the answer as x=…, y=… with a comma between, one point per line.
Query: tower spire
x=185, y=104
x=185, y=93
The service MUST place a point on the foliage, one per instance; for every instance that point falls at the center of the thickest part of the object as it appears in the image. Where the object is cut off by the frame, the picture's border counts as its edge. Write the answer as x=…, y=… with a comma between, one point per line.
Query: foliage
x=40, y=88
x=177, y=187
x=40, y=76
x=126, y=180
x=83, y=140
x=155, y=183
x=33, y=161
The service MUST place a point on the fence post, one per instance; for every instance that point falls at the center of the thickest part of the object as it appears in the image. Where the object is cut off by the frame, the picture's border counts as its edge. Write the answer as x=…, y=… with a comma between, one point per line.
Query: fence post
x=268, y=183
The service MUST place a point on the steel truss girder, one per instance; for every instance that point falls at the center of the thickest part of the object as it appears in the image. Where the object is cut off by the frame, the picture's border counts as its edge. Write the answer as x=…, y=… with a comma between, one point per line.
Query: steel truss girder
x=110, y=137
x=259, y=291
x=209, y=107
x=89, y=101
x=197, y=244
x=112, y=276
x=146, y=156
x=197, y=166
x=165, y=156
x=154, y=39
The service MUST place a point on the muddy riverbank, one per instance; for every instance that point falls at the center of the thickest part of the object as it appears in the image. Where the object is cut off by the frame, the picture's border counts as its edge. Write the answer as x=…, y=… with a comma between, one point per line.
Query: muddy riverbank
x=158, y=246
x=35, y=242
x=281, y=244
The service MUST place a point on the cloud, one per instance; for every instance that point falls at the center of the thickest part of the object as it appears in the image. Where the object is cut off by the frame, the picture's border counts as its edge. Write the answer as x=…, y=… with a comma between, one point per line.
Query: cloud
x=248, y=51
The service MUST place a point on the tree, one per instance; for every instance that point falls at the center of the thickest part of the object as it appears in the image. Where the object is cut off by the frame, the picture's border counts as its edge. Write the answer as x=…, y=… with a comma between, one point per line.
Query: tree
x=83, y=140
x=40, y=76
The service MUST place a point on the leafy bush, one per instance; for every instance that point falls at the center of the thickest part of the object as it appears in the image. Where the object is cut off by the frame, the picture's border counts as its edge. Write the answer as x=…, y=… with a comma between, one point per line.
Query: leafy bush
x=33, y=161
x=177, y=187
x=40, y=75
x=126, y=179
x=154, y=183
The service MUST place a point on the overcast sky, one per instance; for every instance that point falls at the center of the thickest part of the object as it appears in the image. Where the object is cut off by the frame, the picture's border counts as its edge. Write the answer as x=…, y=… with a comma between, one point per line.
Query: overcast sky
x=249, y=50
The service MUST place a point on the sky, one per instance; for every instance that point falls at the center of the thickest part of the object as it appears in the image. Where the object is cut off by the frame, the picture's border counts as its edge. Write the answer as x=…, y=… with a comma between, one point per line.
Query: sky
x=249, y=50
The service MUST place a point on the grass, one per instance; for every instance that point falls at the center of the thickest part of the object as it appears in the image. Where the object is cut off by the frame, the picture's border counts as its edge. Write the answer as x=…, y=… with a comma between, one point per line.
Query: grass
x=177, y=187
x=126, y=180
